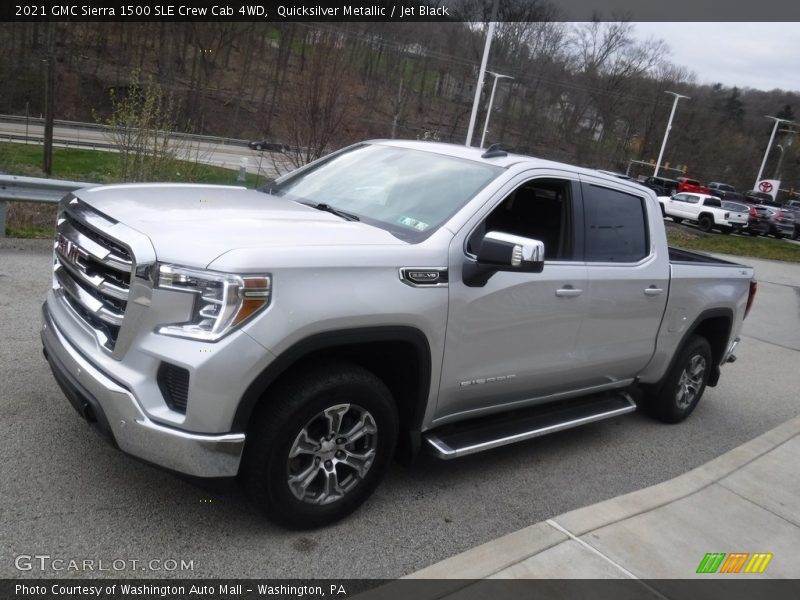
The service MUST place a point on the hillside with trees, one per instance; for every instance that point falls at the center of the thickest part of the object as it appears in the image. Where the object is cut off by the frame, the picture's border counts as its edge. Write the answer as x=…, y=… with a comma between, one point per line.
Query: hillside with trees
x=586, y=93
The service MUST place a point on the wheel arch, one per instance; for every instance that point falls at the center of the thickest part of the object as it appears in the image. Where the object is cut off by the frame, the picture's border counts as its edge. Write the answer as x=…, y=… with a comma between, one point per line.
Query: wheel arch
x=715, y=326
x=400, y=356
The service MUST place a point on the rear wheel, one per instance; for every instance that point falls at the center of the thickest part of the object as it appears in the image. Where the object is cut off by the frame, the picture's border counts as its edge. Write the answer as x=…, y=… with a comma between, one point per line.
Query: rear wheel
x=321, y=446
x=796, y=232
x=705, y=223
x=684, y=384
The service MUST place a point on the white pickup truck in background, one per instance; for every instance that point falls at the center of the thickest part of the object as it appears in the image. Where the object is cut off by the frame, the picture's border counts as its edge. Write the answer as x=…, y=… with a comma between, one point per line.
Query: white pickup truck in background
x=704, y=210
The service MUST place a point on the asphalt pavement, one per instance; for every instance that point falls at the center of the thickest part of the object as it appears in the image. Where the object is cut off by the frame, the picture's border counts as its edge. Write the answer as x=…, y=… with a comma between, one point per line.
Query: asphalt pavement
x=66, y=494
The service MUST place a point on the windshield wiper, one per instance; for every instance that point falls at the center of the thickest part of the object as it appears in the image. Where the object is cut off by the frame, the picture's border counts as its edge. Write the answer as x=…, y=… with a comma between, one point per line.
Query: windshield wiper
x=332, y=210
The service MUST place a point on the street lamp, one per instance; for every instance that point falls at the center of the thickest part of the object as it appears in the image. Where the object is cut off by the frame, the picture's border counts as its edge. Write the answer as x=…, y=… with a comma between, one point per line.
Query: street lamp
x=769, y=145
x=669, y=126
x=481, y=73
x=491, y=101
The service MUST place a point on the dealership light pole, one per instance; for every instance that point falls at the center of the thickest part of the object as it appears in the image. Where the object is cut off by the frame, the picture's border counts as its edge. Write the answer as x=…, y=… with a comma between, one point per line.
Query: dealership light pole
x=669, y=126
x=491, y=101
x=479, y=88
x=769, y=145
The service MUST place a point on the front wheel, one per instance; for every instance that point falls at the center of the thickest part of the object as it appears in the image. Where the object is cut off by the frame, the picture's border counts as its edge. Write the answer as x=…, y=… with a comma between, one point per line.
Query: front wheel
x=321, y=444
x=684, y=384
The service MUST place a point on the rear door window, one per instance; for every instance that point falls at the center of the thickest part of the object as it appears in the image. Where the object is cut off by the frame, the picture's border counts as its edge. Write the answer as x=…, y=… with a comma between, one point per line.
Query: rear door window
x=615, y=225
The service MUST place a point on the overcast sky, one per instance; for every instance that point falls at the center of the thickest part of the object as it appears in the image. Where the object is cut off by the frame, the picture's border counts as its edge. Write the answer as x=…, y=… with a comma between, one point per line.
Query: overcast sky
x=763, y=56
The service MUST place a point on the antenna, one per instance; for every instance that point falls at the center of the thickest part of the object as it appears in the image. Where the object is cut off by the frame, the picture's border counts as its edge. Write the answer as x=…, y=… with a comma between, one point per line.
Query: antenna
x=494, y=151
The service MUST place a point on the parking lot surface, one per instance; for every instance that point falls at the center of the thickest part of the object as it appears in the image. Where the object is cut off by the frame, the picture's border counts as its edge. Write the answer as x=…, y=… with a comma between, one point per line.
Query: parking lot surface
x=66, y=494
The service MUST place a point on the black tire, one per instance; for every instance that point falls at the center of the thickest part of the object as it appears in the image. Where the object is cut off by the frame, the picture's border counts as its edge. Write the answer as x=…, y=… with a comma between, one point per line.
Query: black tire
x=753, y=233
x=677, y=219
x=778, y=235
x=312, y=402
x=705, y=223
x=258, y=146
x=726, y=230
x=680, y=391
x=796, y=232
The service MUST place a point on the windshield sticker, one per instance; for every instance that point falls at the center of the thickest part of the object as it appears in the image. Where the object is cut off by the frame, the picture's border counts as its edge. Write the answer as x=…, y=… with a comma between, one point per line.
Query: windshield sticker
x=413, y=223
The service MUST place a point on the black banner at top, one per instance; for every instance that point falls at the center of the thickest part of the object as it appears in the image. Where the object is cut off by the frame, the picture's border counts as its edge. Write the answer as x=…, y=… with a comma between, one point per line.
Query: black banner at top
x=399, y=10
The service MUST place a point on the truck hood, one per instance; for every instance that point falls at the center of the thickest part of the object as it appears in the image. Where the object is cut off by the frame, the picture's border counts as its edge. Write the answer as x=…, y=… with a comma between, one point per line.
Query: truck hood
x=193, y=224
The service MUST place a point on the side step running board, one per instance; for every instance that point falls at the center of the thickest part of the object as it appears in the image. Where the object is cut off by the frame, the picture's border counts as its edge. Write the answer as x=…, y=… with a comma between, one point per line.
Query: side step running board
x=476, y=435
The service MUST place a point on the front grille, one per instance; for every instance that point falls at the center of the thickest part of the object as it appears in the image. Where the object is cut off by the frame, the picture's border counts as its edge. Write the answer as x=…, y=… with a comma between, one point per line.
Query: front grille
x=92, y=270
x=174, y=385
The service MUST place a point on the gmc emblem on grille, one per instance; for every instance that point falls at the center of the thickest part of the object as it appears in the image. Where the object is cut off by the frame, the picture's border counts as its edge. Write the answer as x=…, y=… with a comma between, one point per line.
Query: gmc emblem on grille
x=69, y=249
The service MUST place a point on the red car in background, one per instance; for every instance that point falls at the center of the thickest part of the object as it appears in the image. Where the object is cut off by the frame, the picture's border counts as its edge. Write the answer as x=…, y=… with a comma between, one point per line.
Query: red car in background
x=692, y=185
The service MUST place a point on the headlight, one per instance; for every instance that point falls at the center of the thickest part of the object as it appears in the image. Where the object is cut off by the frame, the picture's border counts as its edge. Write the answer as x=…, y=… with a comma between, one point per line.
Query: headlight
x=223, y=301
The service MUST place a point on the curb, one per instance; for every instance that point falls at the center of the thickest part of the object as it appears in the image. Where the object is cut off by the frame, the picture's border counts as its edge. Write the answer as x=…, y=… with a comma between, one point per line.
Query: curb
x=492, y=557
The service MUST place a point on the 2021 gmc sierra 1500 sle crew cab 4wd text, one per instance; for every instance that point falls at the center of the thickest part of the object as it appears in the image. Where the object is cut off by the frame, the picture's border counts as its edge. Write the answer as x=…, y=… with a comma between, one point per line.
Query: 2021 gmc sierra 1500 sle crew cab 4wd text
x=389, y=297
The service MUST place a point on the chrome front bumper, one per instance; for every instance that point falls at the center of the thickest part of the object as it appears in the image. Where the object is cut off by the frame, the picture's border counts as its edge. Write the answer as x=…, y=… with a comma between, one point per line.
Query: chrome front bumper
x=115, y=411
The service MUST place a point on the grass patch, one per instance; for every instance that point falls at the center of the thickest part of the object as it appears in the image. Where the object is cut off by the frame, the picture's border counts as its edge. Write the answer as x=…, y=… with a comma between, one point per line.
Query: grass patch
x=739, y=245
x=35, y=220
x=96, y=166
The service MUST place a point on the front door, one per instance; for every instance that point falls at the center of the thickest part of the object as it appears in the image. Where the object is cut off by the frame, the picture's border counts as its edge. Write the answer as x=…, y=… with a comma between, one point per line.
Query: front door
x=511, y=340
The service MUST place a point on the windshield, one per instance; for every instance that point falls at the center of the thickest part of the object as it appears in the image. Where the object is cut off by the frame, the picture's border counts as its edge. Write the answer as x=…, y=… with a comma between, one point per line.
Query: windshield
x=408, y=192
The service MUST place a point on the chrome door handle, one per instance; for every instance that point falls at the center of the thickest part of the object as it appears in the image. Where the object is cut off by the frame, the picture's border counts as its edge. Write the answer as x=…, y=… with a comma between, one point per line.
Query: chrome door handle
x=653, y=291
x=568, y=292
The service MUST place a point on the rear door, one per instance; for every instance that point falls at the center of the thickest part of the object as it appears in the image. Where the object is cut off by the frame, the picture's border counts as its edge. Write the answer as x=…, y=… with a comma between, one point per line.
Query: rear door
x=628, y=283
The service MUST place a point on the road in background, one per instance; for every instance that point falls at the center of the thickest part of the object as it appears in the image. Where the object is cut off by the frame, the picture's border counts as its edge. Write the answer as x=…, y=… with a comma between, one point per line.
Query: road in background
x=67, y=494
x=220, y=152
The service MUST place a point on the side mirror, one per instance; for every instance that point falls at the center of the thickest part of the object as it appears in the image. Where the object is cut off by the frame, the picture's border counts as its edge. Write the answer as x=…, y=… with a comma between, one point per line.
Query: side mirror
x=503, y=252
x=507, y=252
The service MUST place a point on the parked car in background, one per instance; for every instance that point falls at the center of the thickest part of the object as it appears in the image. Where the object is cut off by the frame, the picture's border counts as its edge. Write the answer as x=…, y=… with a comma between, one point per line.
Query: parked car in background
x=721, y=187
x=705, y=210
x=769, y=220
x=754, y=197
x=725, y=191
x=662, y=186
x=269, y=145
x=793, y=206
x=692, y=185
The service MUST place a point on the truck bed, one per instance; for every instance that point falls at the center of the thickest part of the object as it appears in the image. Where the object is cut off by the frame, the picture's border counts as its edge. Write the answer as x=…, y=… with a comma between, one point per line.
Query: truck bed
x=681, y=256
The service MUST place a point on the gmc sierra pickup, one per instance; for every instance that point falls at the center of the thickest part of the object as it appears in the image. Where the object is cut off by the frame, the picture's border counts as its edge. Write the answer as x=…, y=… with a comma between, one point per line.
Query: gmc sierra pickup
x=389, y=297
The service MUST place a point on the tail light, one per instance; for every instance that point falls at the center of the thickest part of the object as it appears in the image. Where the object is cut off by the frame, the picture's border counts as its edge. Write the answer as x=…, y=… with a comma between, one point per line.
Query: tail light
x=753, y=212
x=779, y=217
x=750, y=297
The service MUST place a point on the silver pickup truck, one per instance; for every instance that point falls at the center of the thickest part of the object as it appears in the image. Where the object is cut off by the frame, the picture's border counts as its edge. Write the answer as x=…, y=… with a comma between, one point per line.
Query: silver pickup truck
x=390, y=297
